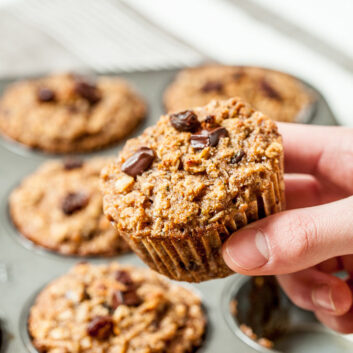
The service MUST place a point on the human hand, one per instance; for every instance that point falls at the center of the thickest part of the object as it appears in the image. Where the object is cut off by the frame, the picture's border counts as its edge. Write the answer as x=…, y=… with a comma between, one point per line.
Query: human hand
x=313, y=239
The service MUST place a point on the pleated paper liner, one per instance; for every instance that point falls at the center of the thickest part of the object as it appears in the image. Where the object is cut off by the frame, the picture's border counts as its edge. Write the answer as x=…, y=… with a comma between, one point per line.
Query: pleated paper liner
x=197, y=257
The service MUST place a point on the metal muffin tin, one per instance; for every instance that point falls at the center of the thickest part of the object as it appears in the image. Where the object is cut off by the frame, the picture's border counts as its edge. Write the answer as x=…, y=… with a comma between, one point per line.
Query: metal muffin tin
x=25, y=269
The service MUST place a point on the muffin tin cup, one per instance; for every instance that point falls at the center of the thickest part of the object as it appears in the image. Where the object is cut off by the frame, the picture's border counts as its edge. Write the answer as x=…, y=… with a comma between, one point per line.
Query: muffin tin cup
x=299, y=330
x=197, y=258
x=26, y=268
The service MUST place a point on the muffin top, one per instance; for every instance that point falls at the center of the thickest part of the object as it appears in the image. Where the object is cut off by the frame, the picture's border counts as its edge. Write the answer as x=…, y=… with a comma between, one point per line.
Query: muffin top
x=59, y=207
x=69, y=113
x=115, y=308
x=280, y=96
x=194, y=170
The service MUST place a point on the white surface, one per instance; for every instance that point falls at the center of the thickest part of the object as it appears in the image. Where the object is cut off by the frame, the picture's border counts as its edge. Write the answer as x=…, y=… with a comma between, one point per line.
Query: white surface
x=222, y=31
x=105, y=34
x=330, y=20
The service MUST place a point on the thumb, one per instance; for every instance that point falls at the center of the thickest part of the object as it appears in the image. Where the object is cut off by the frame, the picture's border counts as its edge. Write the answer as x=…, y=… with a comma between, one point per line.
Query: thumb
x=291, y=241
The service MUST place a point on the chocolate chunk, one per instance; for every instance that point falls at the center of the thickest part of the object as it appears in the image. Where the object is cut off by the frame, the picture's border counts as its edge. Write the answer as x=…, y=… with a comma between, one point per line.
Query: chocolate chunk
x=124, y=277
x=185, y=121
x=269, y=90
x=129, y=298
x=237, y=157
x=88, y=91
x=140, y=161
x=200, y=141
x=74, y=202
x=216, y=134
x=72, y=163
x=100, y=327
x=212, y=86
x=45, y=95
x=208, y=138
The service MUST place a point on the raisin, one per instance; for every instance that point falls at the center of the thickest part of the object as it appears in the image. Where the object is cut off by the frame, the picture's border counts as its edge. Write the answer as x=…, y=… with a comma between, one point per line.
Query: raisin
x=185, y=121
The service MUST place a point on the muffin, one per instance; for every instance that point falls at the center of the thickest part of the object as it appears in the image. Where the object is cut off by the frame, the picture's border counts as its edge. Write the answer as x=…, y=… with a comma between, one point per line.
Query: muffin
x=278, y=95
x=67, y=113
x=115, y=309
x=59, y=207
x=179, y=190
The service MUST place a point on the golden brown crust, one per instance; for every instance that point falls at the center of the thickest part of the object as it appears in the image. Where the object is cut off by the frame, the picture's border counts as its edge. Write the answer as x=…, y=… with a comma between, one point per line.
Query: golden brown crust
x=279, y=96
x=163, y=317
x=177, y=214
x=69, y=122
x=36, y=208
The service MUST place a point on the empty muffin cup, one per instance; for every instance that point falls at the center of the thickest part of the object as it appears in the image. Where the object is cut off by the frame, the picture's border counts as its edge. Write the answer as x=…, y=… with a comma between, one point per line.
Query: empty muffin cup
x=261, y=315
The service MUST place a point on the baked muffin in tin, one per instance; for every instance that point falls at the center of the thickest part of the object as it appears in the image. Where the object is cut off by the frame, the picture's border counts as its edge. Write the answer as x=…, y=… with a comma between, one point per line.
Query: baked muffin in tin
x=116, y=309
x=278, y=95
x=59, y=207
x=67, y=113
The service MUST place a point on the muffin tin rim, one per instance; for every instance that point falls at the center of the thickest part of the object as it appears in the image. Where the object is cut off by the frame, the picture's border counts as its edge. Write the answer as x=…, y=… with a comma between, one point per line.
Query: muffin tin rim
x=219, y=335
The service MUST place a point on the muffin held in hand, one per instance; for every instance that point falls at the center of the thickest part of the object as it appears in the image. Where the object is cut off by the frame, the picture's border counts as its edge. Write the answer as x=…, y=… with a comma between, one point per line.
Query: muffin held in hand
x=178, y=191
x=116, y=309
x=59, y=207
x=67, y=113
x=278, y=95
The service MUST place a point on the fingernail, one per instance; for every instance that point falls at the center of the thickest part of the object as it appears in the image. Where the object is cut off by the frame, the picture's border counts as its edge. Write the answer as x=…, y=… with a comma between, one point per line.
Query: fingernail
x=322, y=298
x=248, y=249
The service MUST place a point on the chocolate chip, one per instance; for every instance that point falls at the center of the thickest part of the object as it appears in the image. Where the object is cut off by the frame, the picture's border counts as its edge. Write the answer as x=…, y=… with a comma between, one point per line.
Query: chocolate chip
x=140, y=161
x=124, y=277
x=88, y=91
x=72, y=163
x=212, y=86
x=100, y=327
x=185, y=121
x=237, y=157
x=208, y=138
x=45, y=95
x=269, y=90
x=74, y=202
x=129, y=298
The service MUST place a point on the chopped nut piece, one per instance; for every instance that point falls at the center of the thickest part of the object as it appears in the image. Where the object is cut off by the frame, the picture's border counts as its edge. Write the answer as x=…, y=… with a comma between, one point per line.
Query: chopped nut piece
x=124, y=183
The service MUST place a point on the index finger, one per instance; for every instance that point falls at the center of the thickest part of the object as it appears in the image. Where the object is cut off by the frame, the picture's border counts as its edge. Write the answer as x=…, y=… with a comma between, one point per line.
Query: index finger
x=326, y=152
